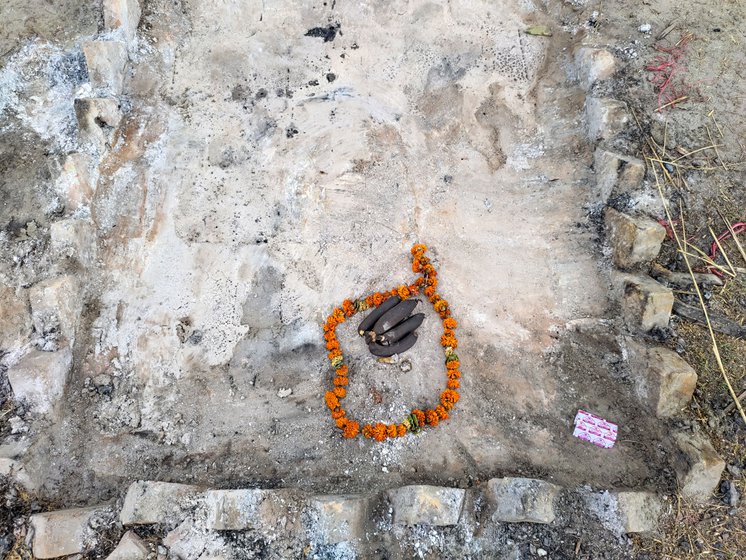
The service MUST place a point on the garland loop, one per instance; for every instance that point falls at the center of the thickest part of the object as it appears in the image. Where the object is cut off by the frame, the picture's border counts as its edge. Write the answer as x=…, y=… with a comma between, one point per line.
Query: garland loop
x=417, y=419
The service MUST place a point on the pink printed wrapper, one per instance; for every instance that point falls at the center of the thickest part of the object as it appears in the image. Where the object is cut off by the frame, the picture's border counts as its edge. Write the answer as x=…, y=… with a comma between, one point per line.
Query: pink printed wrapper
x=595, y=429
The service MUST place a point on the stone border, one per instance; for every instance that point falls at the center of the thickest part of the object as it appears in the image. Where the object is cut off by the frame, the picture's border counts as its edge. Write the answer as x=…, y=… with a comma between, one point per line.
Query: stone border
x=665, y=382
x=190, y=515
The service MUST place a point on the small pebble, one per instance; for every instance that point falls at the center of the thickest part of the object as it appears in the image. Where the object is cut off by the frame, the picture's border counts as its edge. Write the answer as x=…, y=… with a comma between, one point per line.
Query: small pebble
x=541, y=552
x=282, y=393
x=645, y=28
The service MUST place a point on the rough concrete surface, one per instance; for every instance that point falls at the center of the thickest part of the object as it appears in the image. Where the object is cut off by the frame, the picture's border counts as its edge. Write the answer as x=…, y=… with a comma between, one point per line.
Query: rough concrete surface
x=265, y=161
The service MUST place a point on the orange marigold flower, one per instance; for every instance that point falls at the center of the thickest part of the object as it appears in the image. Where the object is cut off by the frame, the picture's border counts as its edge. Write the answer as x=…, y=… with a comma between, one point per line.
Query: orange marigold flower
x=446, y=341
x=331, y=400
x=367, y=430
x=429, y=291
x=341, y=422
x=340, y=381
x=449, y=332
x=453, y=374
x=419, y=282
x=379, y=432
x=334, y=354
x=450, y=323
x=391, y=431
x=429, y=270
x=332, y=345
x=330, y=325
x=416, y=266
x=348, y=307
x=441, y=412
x=449, y=396
x=401, y=430
x=342, y=371
x=340, y=392
x=441, y=305
x=420, y=416
x=453, y=364
x=403, y=292
x=414, y=289
x=338, y=413
x=339, y=315
x=432, y=417
x=419, y=248
x=351, y=430
x=377, y=299
x=330, y=335
x=453, y=384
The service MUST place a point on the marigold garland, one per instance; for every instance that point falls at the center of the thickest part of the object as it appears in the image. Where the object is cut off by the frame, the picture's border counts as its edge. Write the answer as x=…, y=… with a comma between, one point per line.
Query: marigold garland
x=417, y=419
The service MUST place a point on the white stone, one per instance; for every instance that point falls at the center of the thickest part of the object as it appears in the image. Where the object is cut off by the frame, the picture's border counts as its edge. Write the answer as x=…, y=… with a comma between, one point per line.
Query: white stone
x=57, y=300
x=122, y=15
x=75, y=183
x=258, y=509
x=40, y=377
x=606, y=117
x=593, y=65
x=698, y=466
x=522, y=500
x=63, y=532
x=663, y=380
x=106, y=62
x=97, y=118
x=130, y=547
x=646, y=304
x=426, y=505
x=75, y=239
x=638, y=511
x=633, y=240
x=157, y=502
x=338, y=518
x=15, y=318
x=616, y=174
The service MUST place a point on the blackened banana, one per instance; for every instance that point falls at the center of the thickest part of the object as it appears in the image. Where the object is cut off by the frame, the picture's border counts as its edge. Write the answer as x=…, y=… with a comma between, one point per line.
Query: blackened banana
x=401, y=330
x=376, y=314
x=394, y=316
x=396, y=348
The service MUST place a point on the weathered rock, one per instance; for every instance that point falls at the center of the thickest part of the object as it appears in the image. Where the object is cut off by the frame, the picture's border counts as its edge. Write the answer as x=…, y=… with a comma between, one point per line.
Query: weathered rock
x=75, y=239
x=63, y=532
x=186, y=542
x=638, y=511
x=15, y=318
x=633, y=240
x=593, y=64
x=106, y=61
x=75, y=184
x=698, y=466
x=97, y=118
x=130, y=547
x=616, y=174
x=334, y=519
x=122, y=15
x=40, y=377
x=157, y=502
x=57, y=301
x=522, y=500
x=625, y=511
x=646, y=304
x=664, y=381
x=258, y=509
x=606, y=117
x=427, y=505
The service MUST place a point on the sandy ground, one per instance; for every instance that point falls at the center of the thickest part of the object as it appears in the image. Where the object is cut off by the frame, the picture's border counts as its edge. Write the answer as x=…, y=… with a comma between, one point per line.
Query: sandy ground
x=261, y=176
